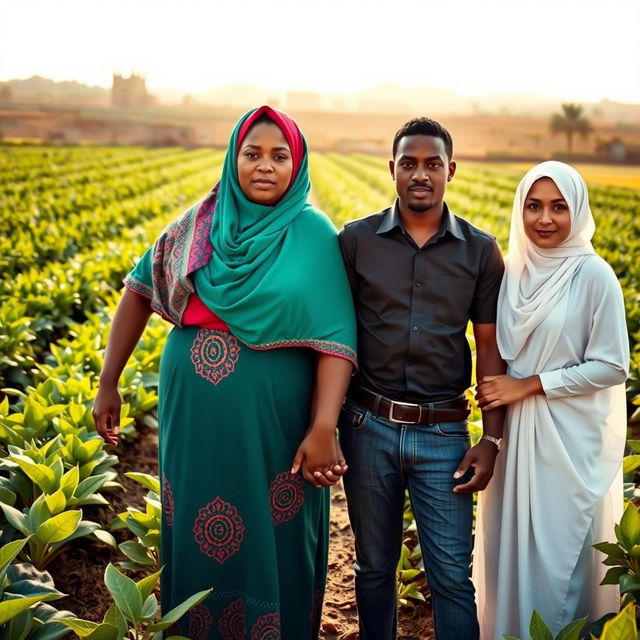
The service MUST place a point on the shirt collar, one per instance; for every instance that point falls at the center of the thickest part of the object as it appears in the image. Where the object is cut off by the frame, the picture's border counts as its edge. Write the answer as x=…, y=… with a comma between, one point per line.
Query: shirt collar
x=392, y=219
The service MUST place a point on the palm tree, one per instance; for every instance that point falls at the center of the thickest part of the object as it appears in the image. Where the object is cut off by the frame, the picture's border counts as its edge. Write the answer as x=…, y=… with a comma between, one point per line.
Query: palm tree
x=569, y=122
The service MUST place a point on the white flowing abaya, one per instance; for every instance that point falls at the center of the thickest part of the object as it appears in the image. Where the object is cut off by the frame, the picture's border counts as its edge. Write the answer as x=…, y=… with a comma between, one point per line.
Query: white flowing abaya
x=557, y=485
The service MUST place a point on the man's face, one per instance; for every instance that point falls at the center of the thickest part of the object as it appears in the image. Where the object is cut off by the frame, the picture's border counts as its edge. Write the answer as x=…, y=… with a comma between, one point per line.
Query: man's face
x=421, y=171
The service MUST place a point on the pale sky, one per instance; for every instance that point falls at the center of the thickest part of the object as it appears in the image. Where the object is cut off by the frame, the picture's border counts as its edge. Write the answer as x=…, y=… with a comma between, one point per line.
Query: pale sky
x=583, y=50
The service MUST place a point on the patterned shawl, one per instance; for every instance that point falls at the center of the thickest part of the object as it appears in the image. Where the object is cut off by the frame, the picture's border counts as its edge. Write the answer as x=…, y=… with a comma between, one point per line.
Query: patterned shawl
x=274, y=274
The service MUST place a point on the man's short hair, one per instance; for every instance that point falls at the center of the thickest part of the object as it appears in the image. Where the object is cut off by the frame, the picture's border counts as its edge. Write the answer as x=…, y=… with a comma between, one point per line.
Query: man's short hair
x=424, y=127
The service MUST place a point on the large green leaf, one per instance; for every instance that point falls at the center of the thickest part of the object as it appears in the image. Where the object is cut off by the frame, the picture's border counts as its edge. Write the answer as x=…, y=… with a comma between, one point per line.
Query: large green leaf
x=56, y=502
x=114, y=617
x=613, y=575
x=59, y=527
x=90, y=485
x=622, y=627
x=630, y=463
x=177, y=612
x=80, y=627
x=16, y=519
x=21, y=625
x=39, y=513
x=106, y=537
x=125, y=593
x=11, y=608
x=146, y=584
x=572, y=630
x=634, y=445
x=629, y=583
x=7, y=496
x=136, y=552
x=150, y=608
x=52, y=630
x=538, y=628
x=146, y=480
x=91, y=630
x=630, y=526
x=40, y=474
x=10, y=551
x=69, y=481
x=85, y=528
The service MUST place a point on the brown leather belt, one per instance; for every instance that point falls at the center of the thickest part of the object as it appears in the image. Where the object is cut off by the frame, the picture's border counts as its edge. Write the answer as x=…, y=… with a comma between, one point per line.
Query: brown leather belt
x=408, y=413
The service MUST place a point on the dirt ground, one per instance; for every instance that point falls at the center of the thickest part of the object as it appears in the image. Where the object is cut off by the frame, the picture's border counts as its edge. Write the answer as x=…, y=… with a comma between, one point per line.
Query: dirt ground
x=79, y=569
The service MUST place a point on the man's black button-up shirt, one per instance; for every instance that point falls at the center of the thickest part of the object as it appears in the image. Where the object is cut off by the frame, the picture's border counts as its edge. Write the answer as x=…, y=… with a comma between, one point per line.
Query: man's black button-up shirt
x=413, y=304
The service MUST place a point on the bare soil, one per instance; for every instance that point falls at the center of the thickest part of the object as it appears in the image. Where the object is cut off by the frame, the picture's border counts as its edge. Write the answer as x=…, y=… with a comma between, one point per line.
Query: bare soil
x=78, y=571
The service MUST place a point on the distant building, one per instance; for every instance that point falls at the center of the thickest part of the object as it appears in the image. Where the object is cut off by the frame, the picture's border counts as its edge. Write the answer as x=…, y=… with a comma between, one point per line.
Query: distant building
x=130, y=93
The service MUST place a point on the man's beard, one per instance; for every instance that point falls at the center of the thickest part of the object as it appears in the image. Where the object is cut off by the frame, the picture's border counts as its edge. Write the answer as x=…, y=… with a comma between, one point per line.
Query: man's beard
x=420, y=207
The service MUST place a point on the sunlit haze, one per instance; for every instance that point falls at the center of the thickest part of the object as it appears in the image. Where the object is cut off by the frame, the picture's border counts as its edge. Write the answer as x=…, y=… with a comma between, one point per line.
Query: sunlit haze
x=576, y=50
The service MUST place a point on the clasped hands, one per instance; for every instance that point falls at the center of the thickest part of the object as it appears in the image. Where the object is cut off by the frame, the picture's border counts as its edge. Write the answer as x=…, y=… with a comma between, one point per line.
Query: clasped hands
x=320, y=458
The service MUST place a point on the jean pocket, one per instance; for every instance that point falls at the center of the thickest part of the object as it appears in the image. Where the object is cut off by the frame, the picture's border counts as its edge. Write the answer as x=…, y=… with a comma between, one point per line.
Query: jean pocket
x=352, y=417
x=452, y=429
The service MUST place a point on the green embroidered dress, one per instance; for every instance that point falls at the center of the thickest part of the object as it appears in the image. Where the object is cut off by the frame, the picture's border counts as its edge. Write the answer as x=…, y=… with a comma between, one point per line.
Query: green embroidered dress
x=234, y=405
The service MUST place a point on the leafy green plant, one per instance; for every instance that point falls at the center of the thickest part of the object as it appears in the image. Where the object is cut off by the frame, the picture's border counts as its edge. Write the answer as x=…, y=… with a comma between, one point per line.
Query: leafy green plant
x=49, y=525
x=39, y=470
x=134, y=612
x=144, y=553
x=621, y=626
x=407, y=574
x=539, y=630
x=23, y=594
x=623, y=556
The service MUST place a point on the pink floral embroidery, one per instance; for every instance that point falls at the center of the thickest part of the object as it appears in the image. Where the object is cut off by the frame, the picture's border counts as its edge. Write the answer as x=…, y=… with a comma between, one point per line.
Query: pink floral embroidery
x=287, y=497
x=233, y=624
x=200, y=621
x=214, y=354
x=168, y=504
x=219, y=530
x=267, y=627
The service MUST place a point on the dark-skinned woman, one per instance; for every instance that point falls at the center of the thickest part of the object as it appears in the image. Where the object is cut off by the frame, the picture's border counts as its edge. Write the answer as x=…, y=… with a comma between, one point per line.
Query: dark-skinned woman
x=252, y=379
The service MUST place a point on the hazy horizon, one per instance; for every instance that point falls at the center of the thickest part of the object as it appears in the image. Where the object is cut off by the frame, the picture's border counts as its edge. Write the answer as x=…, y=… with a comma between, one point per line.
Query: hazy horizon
x=556, y=49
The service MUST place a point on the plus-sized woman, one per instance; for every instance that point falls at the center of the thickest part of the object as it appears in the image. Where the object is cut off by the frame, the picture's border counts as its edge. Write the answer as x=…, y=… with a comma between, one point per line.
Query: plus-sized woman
x=557, y=486
x=252, y=379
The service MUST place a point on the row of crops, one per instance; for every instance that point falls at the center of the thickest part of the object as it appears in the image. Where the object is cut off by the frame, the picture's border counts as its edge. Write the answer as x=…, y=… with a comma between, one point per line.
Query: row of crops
x=72, y=222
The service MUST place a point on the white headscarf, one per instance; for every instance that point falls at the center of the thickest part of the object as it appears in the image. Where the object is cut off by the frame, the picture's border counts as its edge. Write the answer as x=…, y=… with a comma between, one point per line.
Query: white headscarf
x=537, y=279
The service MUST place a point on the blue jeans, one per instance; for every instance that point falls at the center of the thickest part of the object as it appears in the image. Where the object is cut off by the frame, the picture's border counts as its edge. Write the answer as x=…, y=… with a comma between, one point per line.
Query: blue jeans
x=384, y=459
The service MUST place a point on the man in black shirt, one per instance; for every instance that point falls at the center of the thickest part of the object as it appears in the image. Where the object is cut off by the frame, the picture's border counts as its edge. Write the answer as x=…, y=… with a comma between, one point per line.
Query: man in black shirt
x=418, y=274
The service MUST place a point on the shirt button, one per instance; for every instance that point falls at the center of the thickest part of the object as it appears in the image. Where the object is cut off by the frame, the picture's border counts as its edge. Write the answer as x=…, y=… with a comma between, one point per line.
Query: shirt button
x=415, y=327
x=419, y=283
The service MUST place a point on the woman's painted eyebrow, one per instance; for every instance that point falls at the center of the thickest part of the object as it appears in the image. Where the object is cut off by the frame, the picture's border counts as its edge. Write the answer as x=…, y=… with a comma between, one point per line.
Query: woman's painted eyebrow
x=257, y=146
x=538, y=199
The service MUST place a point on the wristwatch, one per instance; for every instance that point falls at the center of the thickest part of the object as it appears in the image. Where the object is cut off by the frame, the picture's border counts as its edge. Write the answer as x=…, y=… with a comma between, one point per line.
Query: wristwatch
x=492, y=439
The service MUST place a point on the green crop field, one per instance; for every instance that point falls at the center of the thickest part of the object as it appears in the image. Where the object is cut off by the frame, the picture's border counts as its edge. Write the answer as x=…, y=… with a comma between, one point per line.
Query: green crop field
x=72, y=223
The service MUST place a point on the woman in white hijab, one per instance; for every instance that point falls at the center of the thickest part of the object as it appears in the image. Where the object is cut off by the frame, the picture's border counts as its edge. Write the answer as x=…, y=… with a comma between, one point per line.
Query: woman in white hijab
x=557, y=486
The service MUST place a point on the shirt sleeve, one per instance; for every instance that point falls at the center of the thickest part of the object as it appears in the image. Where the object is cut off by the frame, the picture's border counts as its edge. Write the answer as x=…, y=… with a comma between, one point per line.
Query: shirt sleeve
x=606, y=357
x=485, y=298
x=348, y=250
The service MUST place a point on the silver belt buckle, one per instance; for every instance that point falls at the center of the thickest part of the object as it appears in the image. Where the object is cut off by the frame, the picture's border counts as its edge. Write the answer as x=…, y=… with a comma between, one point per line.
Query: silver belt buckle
x=404, y=404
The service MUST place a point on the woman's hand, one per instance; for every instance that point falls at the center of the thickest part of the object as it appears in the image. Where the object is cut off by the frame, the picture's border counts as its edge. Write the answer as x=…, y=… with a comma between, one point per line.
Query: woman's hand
x=496, y=391
x=106, y=413
x=320, y=458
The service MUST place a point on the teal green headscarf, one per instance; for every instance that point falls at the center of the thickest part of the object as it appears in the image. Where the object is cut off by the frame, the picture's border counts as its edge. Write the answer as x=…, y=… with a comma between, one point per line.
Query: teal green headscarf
x=275, y=274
